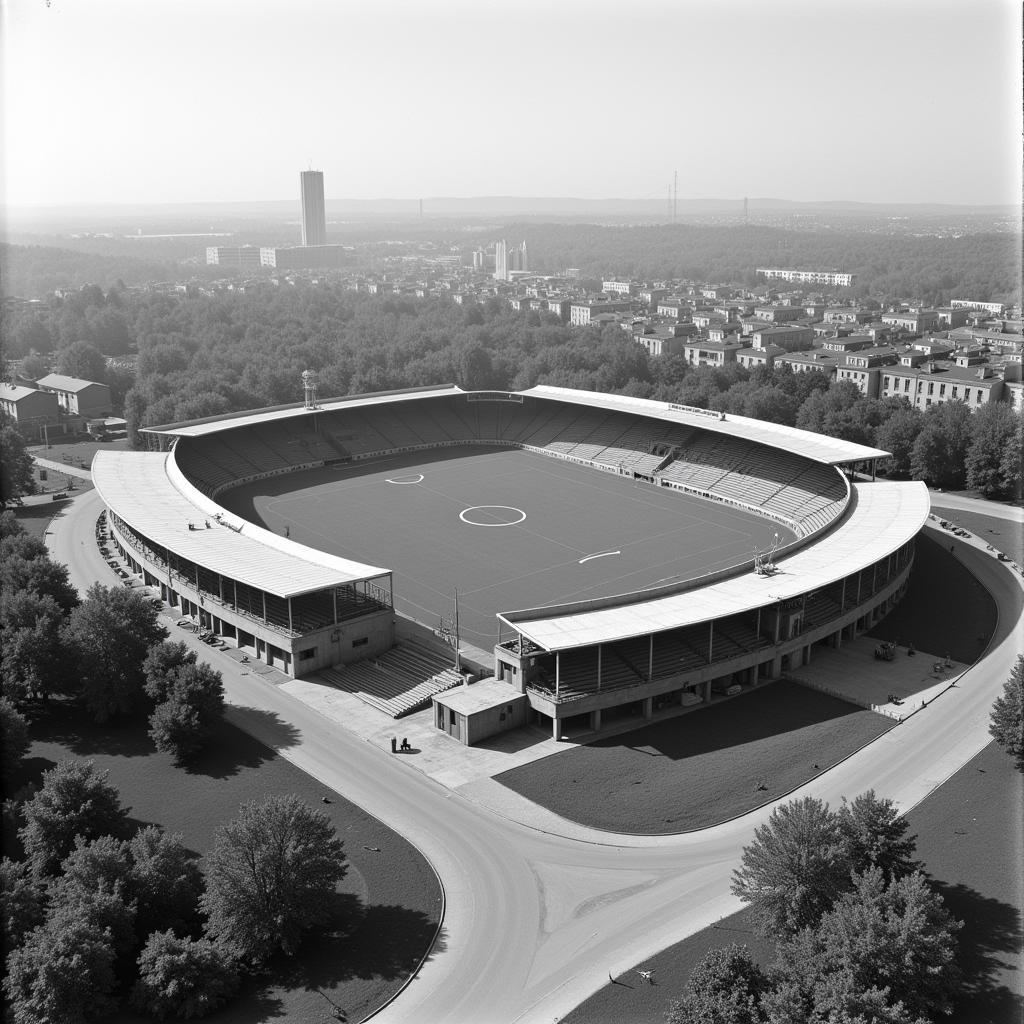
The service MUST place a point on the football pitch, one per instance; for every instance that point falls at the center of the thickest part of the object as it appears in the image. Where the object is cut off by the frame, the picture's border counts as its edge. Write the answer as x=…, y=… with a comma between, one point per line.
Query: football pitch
x=507, y=528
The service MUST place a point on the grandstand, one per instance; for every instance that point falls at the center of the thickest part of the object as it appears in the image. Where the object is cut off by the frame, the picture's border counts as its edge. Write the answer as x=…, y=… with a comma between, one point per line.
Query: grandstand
x=845, y=557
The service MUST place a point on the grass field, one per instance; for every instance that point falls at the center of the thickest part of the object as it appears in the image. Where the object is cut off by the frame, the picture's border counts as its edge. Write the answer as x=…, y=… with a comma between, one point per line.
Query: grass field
x=391, y=896
x=696, y=770
x=510, y=529
x=969, y=838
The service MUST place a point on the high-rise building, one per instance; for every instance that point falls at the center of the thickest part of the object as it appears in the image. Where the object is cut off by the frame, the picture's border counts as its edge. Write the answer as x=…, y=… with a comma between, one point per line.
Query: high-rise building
x=500, y=261
x=314, y=216
x=508, y=261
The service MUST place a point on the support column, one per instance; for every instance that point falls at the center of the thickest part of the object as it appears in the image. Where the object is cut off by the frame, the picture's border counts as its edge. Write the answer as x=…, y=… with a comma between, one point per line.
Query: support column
x=707, y=692
x=558, y=675
x=554, y=730
x=599, y=648
x=711, y=641
x=648, y=707
x=595, y=720
x=291, y=628
x=837, y=639
x=650, y=659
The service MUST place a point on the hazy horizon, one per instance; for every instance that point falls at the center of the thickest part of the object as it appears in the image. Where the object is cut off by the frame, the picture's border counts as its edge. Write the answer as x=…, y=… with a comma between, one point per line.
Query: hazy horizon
x=109, y=102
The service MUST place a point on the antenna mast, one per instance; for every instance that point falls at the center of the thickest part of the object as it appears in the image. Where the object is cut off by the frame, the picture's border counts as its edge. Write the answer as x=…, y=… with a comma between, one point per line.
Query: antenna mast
x=675, y=196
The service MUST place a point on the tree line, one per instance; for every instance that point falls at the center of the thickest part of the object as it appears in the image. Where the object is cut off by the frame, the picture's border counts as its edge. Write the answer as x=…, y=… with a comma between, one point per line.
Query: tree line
x=207, y=355
x=96, y=910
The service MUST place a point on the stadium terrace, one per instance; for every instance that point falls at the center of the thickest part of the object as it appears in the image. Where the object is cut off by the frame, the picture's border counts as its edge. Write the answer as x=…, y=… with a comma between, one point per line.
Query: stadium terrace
x=727, y=547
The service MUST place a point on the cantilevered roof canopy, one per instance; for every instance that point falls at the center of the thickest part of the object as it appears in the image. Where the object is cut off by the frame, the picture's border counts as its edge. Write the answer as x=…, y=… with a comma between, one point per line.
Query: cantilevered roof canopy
x=883, y=517
x=148, y=492
x=229, y=421
x=818, y=447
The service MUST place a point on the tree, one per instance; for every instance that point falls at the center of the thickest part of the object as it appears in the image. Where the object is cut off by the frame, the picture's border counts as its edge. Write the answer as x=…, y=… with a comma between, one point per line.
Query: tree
x=34, y=365
x=9, y=525
x=793, y=869
x=24, y=901
x=191, y=699
x=25, y=570
x=724, y=988
x=890, y=942
x=897, y=435
x=165, y=881
x=112, y=631
x=1006, y=723
x=34, y=657
x=16, y=477
x=182, y=978
x=993, y=459
x=161, y=667
x=875, y=835
x=270, y=876
x=83, y=361
x=14, y=741
x=941, y=447
x=75, y=800
x=62, y=974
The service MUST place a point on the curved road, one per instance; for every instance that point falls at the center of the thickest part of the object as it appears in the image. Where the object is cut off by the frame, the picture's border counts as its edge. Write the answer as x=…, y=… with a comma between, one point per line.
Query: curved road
x=534, y=920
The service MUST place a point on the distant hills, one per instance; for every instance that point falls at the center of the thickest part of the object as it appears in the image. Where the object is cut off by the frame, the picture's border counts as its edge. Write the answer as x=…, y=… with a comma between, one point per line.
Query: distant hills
x=287, y=210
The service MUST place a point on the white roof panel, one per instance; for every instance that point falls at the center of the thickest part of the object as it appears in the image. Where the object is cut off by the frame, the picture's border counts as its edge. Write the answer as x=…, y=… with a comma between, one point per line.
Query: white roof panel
x=883, y=517
x=232, y=420
x=147, y=490
x=818, y=447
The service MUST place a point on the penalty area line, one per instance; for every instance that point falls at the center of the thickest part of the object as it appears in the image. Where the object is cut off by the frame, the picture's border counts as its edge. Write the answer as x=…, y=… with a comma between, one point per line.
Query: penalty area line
x=600, y=554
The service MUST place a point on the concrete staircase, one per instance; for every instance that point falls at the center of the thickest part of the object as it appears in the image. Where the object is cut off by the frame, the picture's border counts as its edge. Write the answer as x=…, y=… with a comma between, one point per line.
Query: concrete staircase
x=398, y=682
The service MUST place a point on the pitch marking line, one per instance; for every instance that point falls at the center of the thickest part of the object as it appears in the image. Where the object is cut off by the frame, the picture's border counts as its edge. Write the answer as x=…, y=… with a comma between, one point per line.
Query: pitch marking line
x=418, y=479
x=600, y=554
x=464, y=515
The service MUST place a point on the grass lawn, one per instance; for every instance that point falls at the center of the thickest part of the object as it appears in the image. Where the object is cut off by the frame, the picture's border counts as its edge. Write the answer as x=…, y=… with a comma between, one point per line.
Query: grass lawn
x=941, y=590
x=778, y=736
x=391, y=899
x=1003, y=534
x=969, y=836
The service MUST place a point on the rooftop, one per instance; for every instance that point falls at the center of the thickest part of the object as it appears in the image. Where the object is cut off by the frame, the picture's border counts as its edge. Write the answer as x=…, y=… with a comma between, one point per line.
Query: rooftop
x=148, y=491
x=883, y=517
x=62, y=383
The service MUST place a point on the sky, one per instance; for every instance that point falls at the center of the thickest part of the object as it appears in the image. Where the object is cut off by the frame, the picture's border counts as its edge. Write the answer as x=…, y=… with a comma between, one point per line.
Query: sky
x=149, y=101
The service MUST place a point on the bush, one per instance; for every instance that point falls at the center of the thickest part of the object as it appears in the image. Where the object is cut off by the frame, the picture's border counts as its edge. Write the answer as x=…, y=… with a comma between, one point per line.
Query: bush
x=182, y=978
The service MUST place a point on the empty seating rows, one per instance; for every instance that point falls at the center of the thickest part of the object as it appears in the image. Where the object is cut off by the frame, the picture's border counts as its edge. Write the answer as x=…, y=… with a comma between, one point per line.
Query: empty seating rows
x=399, y=681
x=628, y=663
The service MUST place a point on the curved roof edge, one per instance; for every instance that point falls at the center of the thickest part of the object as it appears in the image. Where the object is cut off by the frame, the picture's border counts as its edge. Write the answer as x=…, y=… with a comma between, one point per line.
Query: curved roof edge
x=818, y=447
x=231, y=420
x=884, y=517
x=149, y=491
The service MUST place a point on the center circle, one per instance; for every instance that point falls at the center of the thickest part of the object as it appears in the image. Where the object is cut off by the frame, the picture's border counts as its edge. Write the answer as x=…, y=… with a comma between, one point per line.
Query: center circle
x=489, y=515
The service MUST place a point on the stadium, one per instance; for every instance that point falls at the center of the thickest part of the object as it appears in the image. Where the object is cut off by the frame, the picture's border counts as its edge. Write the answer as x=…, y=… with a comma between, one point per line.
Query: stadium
x=601, y=555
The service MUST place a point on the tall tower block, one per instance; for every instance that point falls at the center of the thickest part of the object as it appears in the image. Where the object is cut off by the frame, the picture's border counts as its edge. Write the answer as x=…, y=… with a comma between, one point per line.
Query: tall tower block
x=314, y=216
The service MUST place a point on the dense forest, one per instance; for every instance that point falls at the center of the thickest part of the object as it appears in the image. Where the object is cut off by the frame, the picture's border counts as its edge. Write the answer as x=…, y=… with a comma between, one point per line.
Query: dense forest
x=205, y=355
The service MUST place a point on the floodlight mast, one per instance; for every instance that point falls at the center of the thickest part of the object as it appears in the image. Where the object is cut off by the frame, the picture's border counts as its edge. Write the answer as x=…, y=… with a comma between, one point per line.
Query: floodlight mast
x=309, y=383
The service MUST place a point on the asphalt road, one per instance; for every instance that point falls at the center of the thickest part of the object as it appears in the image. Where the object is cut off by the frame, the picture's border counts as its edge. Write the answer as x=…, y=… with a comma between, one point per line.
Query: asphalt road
x=535, y=921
